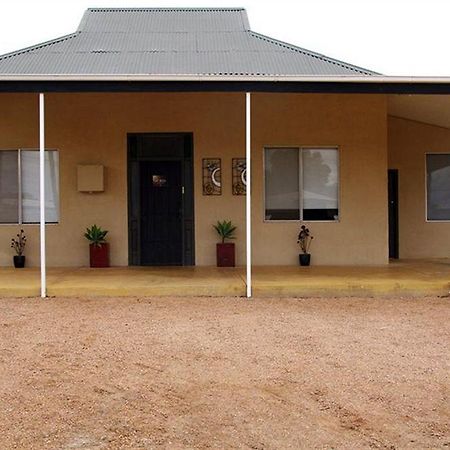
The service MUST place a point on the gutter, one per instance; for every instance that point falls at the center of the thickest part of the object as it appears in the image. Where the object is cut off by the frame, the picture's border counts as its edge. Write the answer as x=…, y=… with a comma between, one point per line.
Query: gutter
x=236, y=78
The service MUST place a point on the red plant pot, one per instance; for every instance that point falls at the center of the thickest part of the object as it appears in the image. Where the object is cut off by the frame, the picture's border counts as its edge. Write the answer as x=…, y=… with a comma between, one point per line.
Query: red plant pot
x=225, y=255
x=99, y=255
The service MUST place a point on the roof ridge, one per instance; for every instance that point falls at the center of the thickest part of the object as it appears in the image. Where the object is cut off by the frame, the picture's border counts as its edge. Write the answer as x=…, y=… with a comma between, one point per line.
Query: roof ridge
x=166, y=9
x=312, y=53
x=39, y=46
x=166, y=32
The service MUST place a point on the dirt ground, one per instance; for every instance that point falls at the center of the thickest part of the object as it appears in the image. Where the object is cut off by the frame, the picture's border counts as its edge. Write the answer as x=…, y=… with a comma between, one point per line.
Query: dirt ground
x=224, y=373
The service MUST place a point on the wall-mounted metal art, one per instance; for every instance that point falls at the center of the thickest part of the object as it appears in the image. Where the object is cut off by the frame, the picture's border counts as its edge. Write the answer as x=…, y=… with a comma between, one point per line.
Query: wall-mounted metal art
x=239, y=176
x=212, y=176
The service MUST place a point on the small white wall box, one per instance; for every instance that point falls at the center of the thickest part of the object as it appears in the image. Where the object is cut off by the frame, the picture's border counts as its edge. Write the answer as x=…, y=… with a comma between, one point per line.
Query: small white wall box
x=90, y=178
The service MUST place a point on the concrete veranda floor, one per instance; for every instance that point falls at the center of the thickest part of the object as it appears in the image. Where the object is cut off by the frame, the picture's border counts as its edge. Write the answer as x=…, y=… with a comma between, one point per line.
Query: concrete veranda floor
x=413, y=278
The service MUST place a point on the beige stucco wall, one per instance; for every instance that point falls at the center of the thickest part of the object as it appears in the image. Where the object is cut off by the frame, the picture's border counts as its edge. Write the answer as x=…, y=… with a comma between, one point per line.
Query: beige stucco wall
x=357, y=126
x=408, y=142
x=92, y=129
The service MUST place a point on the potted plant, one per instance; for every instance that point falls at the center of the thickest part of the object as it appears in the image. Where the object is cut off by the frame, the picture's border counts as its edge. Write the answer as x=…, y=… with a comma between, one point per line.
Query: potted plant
x=18, y=244
x=225, y=250
x=98, y=247
x=304, y=240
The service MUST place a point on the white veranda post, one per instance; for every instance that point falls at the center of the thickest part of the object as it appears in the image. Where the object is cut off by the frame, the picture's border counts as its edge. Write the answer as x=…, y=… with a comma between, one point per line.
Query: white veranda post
x=248, y=198
x=42, y=192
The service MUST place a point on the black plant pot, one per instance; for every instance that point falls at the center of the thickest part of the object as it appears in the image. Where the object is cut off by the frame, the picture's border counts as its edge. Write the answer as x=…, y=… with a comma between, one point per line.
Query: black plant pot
x=304, y=259
x=19, y=262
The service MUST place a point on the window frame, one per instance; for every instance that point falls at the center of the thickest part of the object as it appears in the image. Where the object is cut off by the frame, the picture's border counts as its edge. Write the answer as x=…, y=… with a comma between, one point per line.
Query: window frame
x=427, y=220
x=300, y=149
x=19, y=190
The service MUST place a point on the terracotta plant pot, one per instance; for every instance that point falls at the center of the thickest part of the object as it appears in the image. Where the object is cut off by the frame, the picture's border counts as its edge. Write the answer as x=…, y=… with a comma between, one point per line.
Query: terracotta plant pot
x=19, y=261
x=304, y=259
x=225, y=255
x=99, y=255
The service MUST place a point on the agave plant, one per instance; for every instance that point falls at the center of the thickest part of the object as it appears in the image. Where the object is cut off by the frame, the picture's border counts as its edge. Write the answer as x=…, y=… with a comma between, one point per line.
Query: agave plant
x=225, y=230
x=95, y=235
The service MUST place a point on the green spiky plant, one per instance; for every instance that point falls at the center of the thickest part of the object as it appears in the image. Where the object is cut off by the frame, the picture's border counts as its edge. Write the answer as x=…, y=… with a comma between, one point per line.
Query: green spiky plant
x=95, y=235
x=225, y=230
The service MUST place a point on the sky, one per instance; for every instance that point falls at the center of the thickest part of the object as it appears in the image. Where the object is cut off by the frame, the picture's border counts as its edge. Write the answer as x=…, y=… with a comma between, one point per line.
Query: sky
x=393, y=37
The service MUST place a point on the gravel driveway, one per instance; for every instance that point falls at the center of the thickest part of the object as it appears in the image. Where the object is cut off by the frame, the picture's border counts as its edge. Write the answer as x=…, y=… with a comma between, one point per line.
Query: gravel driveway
x=224, y=373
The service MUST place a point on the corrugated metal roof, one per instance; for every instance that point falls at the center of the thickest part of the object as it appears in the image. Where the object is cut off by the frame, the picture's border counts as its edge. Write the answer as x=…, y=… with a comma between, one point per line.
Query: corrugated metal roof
x=170, y=41
x=154, y=20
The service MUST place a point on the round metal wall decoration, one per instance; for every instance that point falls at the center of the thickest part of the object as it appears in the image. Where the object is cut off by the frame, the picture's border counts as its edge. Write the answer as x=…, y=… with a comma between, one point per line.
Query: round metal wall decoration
x=239, y=168
x=215, y=176
x=212, y=176
x=244, y=177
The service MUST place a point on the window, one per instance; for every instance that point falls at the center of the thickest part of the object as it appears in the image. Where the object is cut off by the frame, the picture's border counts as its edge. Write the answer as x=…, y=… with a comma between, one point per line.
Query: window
x=9, y=187
x=19, y=186
x=301, y=183
x=438, y=186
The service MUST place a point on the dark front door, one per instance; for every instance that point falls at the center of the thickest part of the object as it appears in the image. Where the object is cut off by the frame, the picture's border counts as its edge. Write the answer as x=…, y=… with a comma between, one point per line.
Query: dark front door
x=161, y=213
x=160, y=199
x=393, y=212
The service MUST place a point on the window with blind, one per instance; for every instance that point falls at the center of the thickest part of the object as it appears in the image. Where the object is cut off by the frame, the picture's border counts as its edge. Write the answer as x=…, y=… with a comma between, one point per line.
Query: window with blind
x=301, y=184
x=438, y=186
x=19, y=186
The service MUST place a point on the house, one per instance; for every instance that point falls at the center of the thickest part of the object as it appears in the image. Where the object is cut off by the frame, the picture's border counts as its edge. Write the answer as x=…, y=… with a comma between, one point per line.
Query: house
x=158, y=122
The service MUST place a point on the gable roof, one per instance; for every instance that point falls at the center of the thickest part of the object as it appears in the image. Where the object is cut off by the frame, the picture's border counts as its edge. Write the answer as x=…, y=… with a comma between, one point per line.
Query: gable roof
x=170, y=42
